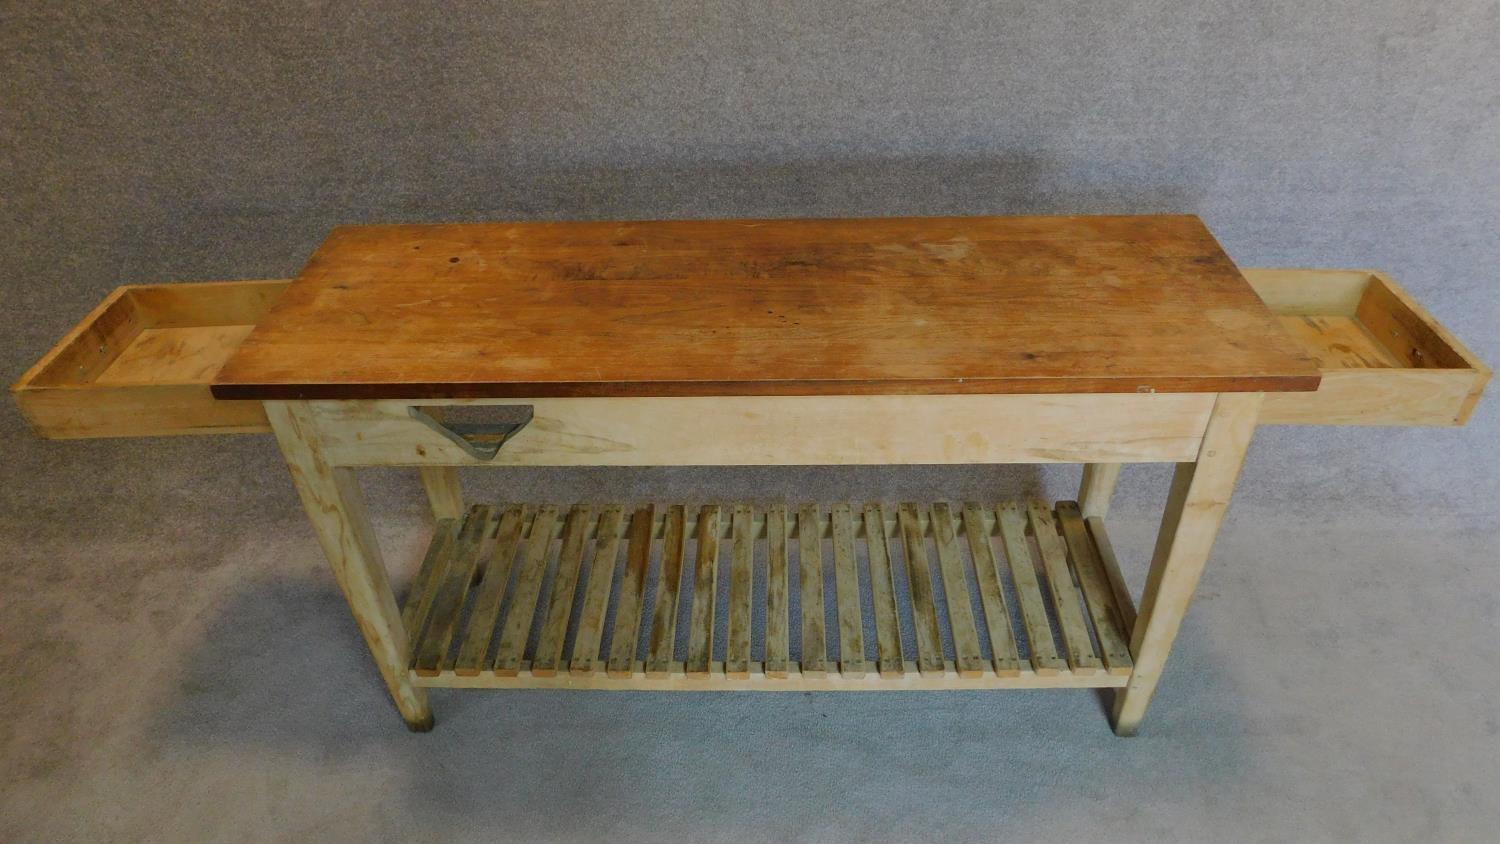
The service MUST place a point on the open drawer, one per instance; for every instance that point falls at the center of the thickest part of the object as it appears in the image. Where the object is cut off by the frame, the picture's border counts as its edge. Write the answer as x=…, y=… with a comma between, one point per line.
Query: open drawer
x=1385, y=360
x=142, y=362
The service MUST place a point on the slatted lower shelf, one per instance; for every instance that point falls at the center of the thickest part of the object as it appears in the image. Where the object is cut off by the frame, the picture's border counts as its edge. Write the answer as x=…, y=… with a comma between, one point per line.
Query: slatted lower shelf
x=735, y=597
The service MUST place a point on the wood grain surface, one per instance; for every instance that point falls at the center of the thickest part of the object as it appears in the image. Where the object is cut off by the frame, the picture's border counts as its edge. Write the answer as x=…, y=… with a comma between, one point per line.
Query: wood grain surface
x=768, y=307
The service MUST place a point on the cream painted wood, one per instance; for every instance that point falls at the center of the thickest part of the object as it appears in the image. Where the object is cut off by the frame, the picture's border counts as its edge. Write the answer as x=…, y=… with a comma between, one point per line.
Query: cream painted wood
x=443, y=491
x=789, y=430
x=335, y=506
x=759, y=680
x=139, y=365
x=1395, y=388
x=1381, y=397
x=1232, y=417
x=1308, y=291
x=1201, y=491
x=1098, y=487
x=1195, y=509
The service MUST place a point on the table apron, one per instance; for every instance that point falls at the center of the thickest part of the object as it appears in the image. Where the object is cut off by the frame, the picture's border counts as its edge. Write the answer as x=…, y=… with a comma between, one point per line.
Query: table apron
x=784, y=430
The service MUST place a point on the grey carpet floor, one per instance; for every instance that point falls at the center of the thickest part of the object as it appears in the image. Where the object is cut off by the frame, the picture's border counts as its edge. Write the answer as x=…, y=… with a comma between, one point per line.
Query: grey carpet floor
x=179, y=666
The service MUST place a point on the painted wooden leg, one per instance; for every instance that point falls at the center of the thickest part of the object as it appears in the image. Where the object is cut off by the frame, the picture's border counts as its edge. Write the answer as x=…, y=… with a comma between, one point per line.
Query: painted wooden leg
x=443, y=491
x=335, y=505
x=1099, y=481
x=1195, y=509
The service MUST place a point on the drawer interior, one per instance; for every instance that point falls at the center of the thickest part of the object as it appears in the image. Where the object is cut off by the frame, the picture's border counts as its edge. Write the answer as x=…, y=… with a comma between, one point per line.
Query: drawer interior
x=174, y=354
x=1385, y=359
x=141, y=363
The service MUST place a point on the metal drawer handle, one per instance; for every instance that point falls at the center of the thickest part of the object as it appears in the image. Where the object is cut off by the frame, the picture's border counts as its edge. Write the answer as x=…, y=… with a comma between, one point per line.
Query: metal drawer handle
x=480, y=440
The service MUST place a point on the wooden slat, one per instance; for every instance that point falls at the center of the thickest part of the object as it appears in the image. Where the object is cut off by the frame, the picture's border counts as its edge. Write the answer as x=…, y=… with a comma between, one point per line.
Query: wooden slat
x=664, y=619
x=1123, y=602
x=778, y=642
x=1065, y=600
x=705, y=593
x=447, y=606
x=883, y=595
x=549, y=646
x=966, y=652
x=810, y=567
x=458, y=561
x=1098, y=486
x=1044, y=658
x=1007, y=660
x=596, y=594
x=1114, y=644
x=846, y=579
x=523, y=603
x=718, y=681
x=425, y=586
x=919, y=578
x=628, y=612
x=741, y=592
x=476, y=643
x=476, y=555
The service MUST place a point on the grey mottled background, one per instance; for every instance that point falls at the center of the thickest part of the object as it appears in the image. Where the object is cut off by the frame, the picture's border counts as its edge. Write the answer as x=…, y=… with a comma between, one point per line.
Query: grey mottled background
x=146, y=584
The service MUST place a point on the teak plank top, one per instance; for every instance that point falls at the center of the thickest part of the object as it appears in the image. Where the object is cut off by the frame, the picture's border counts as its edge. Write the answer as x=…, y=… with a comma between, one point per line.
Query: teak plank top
x=767, y=307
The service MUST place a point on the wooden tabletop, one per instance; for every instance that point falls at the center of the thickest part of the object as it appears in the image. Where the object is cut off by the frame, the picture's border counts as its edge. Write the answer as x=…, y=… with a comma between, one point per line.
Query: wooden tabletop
x=767, y=307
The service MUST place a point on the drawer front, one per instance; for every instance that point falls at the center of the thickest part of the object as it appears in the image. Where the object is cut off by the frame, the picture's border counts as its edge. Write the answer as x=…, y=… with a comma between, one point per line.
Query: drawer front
x=141, y=363
x=138, y=411
x=786, y=430
x=1379, y=397
x=1385, y=359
